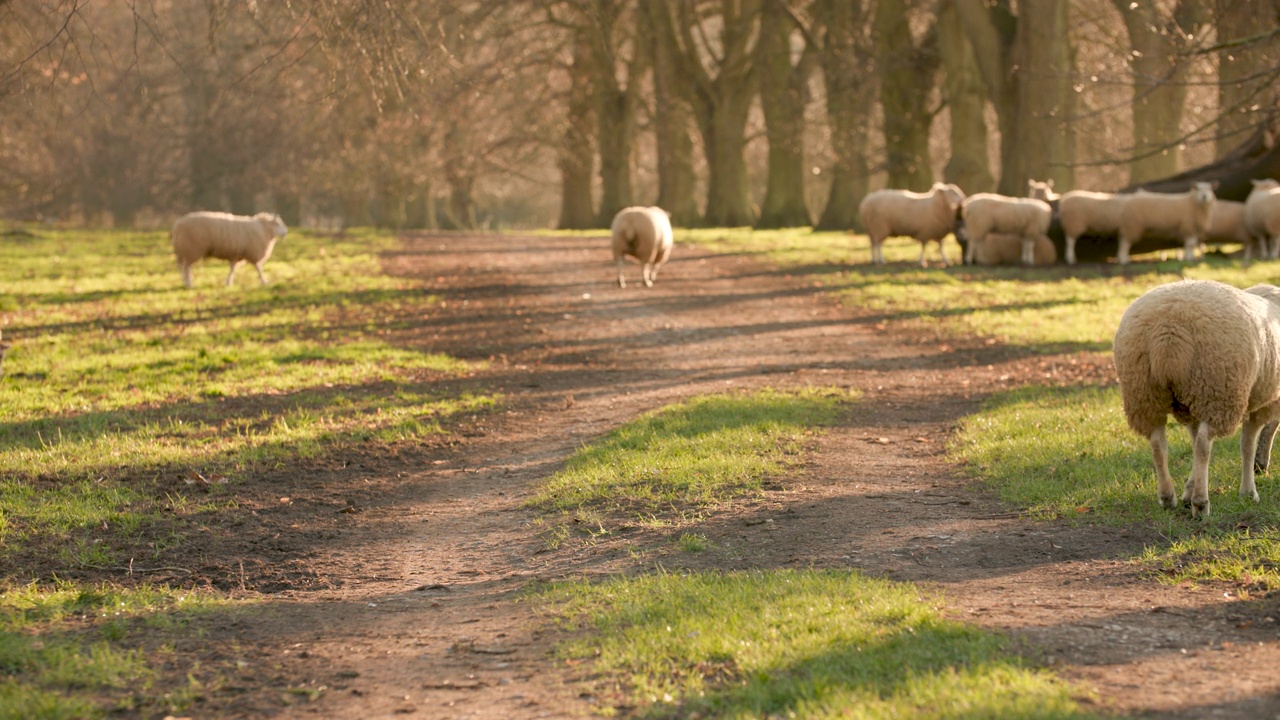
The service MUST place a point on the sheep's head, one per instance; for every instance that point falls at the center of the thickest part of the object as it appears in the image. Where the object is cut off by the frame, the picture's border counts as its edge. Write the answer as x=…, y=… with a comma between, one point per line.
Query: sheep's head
x=1203, y=193
x=1265, y=184
x=273, y=223
x=1041, y=190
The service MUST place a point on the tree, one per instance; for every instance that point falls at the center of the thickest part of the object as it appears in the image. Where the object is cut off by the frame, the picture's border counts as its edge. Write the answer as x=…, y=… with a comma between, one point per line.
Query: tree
x=907, y=68
x=844, y=51
x=576, y=154
x=783, y=92
x=1248, y=51
x=672, y=116
x=968, y=165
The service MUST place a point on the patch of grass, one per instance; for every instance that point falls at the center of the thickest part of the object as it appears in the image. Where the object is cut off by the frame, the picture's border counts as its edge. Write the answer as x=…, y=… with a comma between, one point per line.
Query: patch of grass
x=1067, y=452
x=693, y=454
x=120, y=376
x=789, y=643
x=71, y=651
x=1049, y=310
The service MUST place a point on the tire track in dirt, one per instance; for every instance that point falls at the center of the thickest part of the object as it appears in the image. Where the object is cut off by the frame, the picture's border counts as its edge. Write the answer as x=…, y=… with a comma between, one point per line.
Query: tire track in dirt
x=427, y=617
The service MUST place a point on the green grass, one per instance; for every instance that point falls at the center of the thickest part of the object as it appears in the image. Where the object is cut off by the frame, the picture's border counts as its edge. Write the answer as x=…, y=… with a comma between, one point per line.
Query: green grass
x=1067, y=452
x=691, y=455
x=792, y=644
x=72, y=651
x=1048, y=310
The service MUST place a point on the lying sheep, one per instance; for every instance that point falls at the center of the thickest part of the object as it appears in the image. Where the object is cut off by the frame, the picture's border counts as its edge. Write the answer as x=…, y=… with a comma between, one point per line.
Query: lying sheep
x=643, y=233
x=1082, y=211
x=1209, y=354
x=1262, y=217
x=1185, y=215
x=927, y=217
x=236, y=238
x=1042, y=190
x=1226, y=225
x=1002, y=249
x=987, y=213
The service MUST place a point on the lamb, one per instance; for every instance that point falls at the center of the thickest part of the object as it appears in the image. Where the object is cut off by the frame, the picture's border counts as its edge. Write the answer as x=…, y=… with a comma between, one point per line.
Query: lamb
x=643, y=233
x=1003, y=249
x=1042, y=190
x=927, y=217
x=1185, y=215
x=1209, y=354
x=236, y=238
x=987, y=213
x=1262, y=217
x=1082, y=211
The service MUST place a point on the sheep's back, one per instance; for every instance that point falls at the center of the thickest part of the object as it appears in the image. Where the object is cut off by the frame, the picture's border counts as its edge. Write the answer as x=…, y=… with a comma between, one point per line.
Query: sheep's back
x=1082, y=210
x=643, y=233
x=986, y=212
x=220, y=235
x=1175, y=213
x=925, y=216
x=1226, y=222
x=1262, y=213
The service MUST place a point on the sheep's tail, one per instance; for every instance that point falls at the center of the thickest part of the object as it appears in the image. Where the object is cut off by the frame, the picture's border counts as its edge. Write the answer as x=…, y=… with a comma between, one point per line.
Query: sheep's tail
x=1171, y=354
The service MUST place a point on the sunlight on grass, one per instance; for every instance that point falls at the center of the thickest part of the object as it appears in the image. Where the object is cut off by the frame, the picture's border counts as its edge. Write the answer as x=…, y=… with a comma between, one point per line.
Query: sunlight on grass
x=61, y=654
x=119, y=376
x=792, y=644
x=1067, y=452
x=696, y=453
x=1054, y=309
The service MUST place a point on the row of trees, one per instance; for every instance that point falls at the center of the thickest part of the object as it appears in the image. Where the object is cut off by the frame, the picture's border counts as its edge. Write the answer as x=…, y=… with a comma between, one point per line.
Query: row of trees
x=428, y=113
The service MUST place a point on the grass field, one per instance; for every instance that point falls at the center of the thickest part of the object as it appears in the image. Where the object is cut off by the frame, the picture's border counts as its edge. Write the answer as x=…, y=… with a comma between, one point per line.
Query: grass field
x=1059, y=452
x=132, y=409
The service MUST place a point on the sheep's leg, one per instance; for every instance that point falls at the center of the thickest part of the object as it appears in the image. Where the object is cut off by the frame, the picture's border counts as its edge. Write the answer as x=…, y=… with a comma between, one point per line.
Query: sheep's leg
x=1262, y=457
x=1123, y=255
x=877, y=253
x=186, y=274
x=924, y=245
x=1249, y=432
x=1164, y=482
x=942, y=252
x=974, y=239
x=648, y=275
x=1028, y=251
x=621, y=282
x=261, y=277
x=1071, y=250
x=1196, y=493
x=1273, y=251
x=1189, y=247
x=231, y=276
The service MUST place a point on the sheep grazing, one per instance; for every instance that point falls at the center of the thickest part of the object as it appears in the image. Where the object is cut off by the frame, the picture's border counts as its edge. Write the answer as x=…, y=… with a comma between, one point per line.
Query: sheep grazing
x=927, y=217
x=987, y=213
x=1226, y=226
x=1262, y=217
x=643, y=233
x=1184, y=215
x=1209, y=354
x=1002, y=249
x=1042, y=190
x=236, y=238
x=1082, y=211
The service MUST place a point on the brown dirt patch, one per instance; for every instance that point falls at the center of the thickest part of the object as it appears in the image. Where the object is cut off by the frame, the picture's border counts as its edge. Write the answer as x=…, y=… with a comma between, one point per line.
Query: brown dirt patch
x=393, y=580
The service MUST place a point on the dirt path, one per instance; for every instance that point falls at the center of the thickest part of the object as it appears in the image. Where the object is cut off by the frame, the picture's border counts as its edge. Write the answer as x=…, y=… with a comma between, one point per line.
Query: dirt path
x=412, y=605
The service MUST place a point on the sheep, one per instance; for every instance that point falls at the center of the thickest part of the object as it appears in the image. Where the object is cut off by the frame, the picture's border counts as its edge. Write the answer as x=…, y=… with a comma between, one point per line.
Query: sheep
x=4, y=347
x=1042, y=190
x=1081, y=211
x=1185, y=215
x=1226, y=225
x=236, y=238
x=987, y=213
x=1004, y=249
x=1262, y=217
x=1208, y=353
x=643, y=233
x=929, y=216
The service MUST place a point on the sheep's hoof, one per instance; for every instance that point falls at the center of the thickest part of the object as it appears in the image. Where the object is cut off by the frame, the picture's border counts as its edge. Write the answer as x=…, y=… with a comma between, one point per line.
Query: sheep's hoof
x=648, y=283
x=1251, y=494
x=1169, y=501
x=1200, y=509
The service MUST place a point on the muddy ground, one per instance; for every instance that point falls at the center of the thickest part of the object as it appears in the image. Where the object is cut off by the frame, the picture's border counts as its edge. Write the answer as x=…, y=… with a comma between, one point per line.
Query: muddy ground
x=393, y=582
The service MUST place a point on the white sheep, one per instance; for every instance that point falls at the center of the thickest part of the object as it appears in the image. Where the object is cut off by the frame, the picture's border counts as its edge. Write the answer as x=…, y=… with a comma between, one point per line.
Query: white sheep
x=1262, y=217
x=1226, y=226
x=927, y=217
x=1082, y=211
x=987, y=213
x=1209, y=354
x=643, y=233
x=1002, y=249
x=1184, y=215
x=236, y=238
x=1042, y=190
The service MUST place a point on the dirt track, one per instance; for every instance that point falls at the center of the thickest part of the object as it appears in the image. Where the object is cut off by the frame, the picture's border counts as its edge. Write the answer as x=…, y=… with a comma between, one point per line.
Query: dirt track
x=413, y=604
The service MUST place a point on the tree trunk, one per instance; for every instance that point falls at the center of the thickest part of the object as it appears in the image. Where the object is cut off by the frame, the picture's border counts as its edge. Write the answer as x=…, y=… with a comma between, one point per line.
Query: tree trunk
x=991, y=31
x=615, y=125
x=1042, y=147
x=671, y=120
x=576, y=157
x=782, y=97
x=1241, y=89
x=906, y=74
x=848, y=97
x=968, y=165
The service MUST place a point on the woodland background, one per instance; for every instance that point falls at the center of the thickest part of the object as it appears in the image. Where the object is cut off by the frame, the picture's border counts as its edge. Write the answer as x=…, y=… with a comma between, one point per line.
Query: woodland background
x=556, y=113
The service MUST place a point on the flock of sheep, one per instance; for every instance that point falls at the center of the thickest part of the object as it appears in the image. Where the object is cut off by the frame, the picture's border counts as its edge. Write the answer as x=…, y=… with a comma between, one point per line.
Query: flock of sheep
x=997, y=228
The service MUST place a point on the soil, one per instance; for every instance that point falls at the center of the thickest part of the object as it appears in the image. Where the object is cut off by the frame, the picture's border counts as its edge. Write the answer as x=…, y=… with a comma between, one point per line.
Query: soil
x=393, y=582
